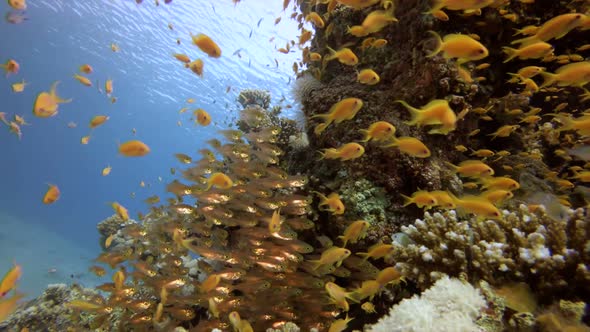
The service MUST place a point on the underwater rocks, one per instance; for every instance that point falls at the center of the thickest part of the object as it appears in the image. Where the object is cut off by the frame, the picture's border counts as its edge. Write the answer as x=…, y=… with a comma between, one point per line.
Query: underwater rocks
x=48, y=312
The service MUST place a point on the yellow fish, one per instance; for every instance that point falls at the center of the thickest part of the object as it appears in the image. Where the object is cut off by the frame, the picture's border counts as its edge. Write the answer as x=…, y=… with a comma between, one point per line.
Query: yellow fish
x=462, y=47
x=345, y=109
x=575, y=74
x=82, y=79
x=411, y=146
x=207, y=45
x=436, y=112
x=378, y=131
x=98, y=120
x=344, y=55
x=368, y=77
x=19, y=87
x=106, y=171
x=346, y=152
x=47, y=103
x=556, y=27
x=333, y=202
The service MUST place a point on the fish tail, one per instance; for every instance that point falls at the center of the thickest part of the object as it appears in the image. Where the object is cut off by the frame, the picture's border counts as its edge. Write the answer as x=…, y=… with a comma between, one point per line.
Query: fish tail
x=364, y=255
x=514, y=78
x=452, y=166
x=413, y=111
x=438, y=5
x=315, y=264
x=322, y=155
x=511, y=52
x=549, y=78
x=366, y=134
x=407, y=200
x=322, y=196
x=439, y=43
x=394, y=143
x=344, y=240
x=565, y=120
x=320, y=128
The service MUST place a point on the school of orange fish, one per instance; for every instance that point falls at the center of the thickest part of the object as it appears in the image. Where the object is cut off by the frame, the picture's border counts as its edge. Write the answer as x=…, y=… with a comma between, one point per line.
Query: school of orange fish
x=250, y=212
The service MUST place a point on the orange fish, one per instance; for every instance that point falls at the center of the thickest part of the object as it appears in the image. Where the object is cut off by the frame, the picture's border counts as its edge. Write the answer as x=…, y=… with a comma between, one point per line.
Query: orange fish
x=10, y=67
x=133, y=148
x=411, y=146
x=182, y=57
x=219, y=180
x=346, y=152
x=333, y=202
x=98, y=120
x=203, y=118
x=19, y=86
x=378, y=131
x=86, y=69
x=207, y=45
x=84, y=80
x=197, y=67
x=345, y=109
x=10, y=278
x=108, y=86
x=84, y=140
x=8, y=306
x=120, y=211
x=47, y=103
x=51, y=195
x=18, y=4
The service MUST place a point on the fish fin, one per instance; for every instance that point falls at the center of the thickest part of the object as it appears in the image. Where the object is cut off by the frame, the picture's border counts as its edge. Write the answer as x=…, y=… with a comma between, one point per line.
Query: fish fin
x=549, y=78
x=511, y=52
x=439, y=43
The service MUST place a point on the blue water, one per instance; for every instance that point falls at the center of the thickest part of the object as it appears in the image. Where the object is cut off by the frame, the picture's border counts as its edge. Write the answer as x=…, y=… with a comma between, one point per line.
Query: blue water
x=150, y=86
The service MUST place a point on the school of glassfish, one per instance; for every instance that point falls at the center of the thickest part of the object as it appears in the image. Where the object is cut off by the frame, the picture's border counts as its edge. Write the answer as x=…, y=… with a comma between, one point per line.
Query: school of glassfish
x=250, y=212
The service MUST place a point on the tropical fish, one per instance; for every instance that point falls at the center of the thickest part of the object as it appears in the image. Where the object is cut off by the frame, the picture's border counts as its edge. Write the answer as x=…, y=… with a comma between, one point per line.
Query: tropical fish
x=47, y=103
x=207, y=45
x=134, y=148
x=52, y=194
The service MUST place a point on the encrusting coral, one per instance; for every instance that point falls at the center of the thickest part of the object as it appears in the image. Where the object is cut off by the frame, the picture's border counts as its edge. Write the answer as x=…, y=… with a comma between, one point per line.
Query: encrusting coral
x=551, y=255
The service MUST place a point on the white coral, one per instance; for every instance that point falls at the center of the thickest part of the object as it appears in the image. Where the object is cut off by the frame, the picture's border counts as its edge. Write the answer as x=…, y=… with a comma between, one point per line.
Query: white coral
x=449, y=305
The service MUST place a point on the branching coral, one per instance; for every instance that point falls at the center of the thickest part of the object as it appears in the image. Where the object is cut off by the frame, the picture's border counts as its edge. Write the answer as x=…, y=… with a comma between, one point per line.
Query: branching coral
x=551, y=255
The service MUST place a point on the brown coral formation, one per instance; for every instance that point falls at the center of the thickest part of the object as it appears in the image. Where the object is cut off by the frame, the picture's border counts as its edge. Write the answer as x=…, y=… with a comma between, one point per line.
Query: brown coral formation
x=550, y=255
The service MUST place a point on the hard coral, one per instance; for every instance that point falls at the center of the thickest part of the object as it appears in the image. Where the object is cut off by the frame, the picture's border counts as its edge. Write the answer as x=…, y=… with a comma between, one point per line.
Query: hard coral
x=550, y=255
x=449, y=305
x=48, y=310
x=250, y=97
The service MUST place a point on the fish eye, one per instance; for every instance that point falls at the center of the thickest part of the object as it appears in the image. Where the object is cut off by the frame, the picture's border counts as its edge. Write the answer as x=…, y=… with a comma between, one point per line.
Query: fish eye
x=358, y=149
x=480, y=51
x=432, y=201
x=496, y=214
x=577, y=17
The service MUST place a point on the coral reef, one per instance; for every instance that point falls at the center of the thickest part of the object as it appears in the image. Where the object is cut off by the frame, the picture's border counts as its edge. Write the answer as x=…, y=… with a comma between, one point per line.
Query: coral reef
x=551, y=255
x=254, y=97
x=449, y=305
x=48, y=313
